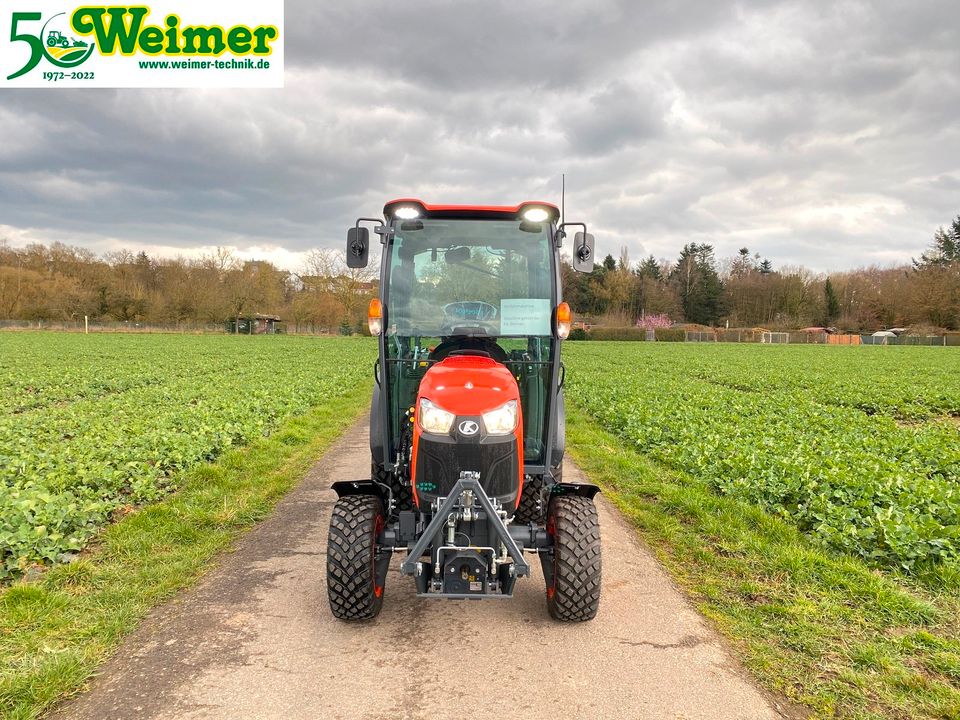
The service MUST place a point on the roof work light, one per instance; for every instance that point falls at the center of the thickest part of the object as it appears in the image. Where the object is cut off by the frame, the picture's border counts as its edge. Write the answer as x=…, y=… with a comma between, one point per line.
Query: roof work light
x=407, y=212
x=535, y=214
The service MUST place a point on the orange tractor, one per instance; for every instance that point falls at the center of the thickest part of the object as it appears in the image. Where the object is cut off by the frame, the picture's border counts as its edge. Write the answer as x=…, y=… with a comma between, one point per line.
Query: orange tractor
x=467, y=417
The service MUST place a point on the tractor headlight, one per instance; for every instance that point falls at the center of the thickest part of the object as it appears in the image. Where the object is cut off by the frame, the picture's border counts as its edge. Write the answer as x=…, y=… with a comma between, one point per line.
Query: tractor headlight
x=501, y=421
x=434, y=419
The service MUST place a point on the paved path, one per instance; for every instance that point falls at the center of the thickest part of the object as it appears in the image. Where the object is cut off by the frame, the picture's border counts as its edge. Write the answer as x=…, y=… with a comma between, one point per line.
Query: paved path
x=256, y=640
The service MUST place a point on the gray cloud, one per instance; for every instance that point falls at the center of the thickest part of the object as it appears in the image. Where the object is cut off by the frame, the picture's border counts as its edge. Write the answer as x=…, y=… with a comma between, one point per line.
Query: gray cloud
x=814, y=134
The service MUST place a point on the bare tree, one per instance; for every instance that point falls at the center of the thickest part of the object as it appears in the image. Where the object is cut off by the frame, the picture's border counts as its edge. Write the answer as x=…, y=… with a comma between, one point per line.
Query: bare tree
x=327, y=271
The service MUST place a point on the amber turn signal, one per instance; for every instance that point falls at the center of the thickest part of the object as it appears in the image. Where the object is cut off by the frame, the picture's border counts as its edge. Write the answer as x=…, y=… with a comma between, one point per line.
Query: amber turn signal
x=564, y=319
x=375, y=317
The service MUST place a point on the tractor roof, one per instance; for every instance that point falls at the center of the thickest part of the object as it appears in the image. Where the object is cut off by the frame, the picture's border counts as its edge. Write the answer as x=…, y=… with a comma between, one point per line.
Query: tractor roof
x=479, y=212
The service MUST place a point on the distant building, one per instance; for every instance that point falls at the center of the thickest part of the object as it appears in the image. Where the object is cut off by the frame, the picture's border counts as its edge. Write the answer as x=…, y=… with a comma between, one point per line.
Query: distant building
x=257, y=324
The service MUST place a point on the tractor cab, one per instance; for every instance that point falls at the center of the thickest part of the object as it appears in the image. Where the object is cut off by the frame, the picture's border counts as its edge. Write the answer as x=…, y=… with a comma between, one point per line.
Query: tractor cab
x=471, y=284
x=467, y=414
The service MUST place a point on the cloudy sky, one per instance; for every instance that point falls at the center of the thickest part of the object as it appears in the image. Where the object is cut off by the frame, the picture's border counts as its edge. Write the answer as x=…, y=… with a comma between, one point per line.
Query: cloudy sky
x=818, y=133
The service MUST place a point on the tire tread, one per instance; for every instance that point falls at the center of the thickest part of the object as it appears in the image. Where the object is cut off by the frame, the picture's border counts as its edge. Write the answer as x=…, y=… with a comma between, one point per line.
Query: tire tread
x=531, y=509
x=350, y=547
x=577, y=559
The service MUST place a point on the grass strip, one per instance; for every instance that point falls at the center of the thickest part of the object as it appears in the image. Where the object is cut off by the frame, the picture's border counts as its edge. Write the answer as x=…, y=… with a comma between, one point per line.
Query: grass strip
x=56, y=631
x=819, y=627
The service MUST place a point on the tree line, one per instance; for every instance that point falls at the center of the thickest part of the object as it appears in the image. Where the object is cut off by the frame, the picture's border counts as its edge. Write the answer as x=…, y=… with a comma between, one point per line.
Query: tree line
x=748, y=291
x=61, y=283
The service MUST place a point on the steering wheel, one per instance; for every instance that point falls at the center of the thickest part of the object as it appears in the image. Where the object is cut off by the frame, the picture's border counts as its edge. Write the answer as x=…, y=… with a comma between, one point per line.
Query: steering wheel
x=470, y=313
x=470, y=310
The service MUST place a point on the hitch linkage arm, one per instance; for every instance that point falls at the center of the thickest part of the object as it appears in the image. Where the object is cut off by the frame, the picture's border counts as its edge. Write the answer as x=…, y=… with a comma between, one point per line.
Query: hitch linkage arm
x=432, y=533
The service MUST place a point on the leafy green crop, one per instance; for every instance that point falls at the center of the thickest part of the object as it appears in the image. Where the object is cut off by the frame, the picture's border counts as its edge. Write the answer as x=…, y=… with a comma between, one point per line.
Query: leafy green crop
x=809, y=433
x=92, y=424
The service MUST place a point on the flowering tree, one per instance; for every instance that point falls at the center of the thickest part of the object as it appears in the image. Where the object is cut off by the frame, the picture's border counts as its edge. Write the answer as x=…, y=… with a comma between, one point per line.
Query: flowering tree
x=652, y=322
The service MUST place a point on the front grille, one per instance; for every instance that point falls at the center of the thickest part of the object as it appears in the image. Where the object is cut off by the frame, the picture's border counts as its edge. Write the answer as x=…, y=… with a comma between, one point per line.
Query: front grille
x=439, y=465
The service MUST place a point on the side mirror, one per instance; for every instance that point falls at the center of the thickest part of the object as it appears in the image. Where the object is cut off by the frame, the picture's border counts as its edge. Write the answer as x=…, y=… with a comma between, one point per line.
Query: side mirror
x=583, y=252
x=358, y=247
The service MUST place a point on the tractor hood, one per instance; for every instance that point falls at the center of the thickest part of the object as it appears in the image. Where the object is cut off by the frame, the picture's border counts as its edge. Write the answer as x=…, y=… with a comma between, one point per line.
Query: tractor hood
x=469, y=385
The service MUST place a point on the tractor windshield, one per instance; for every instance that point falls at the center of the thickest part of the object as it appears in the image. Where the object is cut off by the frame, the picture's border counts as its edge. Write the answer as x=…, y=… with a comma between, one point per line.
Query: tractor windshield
x=470, y=278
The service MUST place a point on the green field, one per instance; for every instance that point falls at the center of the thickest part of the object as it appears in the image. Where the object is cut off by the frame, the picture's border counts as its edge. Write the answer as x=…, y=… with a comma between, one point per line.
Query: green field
x=806, y=497
x=859, y=447
x=93, y=425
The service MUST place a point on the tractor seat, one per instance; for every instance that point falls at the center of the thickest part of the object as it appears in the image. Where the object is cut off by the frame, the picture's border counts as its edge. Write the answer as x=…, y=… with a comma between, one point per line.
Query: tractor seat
x=484, y=347
x=475, y=353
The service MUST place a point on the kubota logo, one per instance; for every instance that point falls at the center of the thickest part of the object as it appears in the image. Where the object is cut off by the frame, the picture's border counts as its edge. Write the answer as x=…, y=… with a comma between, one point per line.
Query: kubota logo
x=469, y=427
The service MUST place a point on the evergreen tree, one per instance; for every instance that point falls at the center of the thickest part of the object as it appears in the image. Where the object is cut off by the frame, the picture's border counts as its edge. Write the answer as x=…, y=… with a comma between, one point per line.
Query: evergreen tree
x=742, y=264
x=766, y=267
x=698, y=284
x=609, y=263
x=831, y=302
x=650, y=268
x=945, y=249
x=145, y=270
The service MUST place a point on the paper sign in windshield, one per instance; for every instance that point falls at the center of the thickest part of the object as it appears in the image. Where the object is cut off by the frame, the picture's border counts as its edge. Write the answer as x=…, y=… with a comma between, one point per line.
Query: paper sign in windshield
x=526, y=316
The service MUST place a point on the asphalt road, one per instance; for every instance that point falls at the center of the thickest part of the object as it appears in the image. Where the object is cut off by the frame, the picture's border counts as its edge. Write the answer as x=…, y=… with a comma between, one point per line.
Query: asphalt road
x=256, y=639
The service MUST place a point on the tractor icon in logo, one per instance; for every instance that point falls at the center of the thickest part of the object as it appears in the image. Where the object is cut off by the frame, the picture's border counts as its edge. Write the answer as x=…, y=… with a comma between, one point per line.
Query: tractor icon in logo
x=59, y=47
x=58, y=38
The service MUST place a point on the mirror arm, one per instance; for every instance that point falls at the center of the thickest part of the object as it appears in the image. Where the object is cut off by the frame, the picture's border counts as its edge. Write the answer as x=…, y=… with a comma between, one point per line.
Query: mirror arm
x=580, y=250
x=380, y=228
